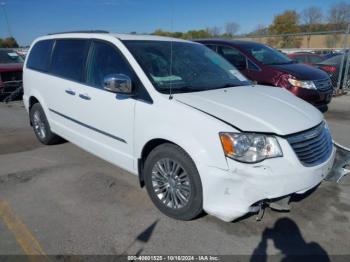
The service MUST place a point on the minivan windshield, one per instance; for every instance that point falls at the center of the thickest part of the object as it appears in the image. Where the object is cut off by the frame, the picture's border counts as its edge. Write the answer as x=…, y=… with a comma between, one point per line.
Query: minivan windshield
x=267, y=55
x=184, y=66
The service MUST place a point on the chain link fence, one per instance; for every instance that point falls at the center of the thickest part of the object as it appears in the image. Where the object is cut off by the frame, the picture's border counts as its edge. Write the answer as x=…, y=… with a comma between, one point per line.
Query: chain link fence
x=327, y=50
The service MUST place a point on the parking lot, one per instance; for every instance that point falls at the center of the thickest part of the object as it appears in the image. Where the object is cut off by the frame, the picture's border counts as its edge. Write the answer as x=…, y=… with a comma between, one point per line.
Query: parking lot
x=62, y=200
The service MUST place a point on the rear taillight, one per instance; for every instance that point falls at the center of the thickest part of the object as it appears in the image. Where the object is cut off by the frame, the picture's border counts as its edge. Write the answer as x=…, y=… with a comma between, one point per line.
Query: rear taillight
x=329, y=69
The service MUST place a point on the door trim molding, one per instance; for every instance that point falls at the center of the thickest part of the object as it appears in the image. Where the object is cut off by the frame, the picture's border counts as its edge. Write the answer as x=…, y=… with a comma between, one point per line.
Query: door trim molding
x=88, y=126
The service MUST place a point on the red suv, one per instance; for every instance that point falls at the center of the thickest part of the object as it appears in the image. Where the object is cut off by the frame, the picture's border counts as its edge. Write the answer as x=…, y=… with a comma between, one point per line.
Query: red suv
x=11, y=65
x=267, y=66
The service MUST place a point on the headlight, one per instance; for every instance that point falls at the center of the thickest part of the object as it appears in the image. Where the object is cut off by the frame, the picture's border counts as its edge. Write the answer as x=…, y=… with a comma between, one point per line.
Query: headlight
x=250, y=148
x=303, y=84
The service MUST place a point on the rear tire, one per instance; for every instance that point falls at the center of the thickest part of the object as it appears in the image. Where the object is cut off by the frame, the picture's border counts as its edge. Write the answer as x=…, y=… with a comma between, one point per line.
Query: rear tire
x=41, y=126
x=173, y=182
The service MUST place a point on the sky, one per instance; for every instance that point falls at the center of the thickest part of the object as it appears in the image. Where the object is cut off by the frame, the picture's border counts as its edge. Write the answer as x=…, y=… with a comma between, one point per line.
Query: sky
x=29, y=19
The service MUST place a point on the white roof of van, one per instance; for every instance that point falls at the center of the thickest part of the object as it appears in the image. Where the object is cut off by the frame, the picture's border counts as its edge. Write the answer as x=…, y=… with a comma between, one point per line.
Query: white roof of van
x=145, y=37
x=119, y=36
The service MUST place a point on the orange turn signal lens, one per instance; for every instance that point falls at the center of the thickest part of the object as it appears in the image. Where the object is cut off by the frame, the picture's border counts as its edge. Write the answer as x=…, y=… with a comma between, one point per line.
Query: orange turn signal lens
x=227, y=144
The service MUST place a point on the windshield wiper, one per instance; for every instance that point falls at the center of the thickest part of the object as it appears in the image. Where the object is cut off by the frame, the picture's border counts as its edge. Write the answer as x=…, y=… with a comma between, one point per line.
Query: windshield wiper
x=189, y=88
x=228, y=85
x=181, y=89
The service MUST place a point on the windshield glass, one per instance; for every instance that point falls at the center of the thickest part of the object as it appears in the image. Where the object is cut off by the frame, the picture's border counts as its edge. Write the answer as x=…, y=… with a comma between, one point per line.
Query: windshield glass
x=9, y=56
x=193, y=67
x=267, y=55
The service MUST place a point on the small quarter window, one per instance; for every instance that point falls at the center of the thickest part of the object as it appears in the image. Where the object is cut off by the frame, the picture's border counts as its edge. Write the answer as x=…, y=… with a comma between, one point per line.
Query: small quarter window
x=39, y=56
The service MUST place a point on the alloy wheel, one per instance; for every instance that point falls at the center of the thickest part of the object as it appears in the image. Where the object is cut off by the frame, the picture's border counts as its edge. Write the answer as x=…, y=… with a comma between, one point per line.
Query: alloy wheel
x=171, y=183
x=39, y=125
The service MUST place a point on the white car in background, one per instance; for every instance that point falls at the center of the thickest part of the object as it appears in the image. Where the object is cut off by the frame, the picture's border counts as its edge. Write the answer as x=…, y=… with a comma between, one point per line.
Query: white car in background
x=195, y=131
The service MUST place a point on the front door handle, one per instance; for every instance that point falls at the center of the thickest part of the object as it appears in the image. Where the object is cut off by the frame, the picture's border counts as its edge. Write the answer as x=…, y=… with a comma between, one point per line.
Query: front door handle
x=85, y=96
x=70, y=92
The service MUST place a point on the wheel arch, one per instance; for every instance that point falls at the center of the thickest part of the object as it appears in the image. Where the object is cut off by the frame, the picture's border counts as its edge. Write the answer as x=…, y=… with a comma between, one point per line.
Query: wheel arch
x=146, y=150
x=34, y=98
x=31, y=101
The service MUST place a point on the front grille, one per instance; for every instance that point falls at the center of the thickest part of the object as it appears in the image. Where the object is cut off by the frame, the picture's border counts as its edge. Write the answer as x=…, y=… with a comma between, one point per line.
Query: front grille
x=324, y=85
x=11, y=76
x=314, y=146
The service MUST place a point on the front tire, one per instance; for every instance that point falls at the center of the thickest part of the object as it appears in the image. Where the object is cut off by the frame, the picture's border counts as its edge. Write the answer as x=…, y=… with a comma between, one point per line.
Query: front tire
x=173, y=182
x=41, y=126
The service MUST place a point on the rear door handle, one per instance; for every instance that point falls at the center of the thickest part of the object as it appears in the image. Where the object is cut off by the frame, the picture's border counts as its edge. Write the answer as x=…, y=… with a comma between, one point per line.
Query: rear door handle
x=70, y=92
x=85, y=96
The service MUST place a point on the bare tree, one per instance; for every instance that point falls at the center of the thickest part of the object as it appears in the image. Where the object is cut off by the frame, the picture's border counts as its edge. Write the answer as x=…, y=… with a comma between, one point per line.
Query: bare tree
x=311, y=17
x=214, y=31
x=231, y=28
x=261, y=29
x=339, y=15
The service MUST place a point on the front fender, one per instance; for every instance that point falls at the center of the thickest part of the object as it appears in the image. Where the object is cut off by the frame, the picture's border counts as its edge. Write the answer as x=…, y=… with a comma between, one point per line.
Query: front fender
x=197, y=133
x=202, y=154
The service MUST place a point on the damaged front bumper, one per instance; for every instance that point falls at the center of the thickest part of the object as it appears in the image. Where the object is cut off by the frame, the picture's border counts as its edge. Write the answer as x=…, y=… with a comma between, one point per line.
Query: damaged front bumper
x=341, y=166
x=229, y=194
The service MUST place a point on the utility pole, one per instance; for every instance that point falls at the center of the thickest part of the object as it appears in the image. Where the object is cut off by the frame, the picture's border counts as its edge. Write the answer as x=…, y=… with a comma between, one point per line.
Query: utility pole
x=3, y=4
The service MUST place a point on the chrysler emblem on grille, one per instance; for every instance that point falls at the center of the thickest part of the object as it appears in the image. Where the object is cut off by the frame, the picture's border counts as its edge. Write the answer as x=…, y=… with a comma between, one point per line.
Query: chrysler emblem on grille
x=311, y=135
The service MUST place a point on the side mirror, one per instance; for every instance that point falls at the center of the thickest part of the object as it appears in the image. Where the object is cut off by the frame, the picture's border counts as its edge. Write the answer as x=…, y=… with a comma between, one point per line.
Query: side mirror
x=118, y=83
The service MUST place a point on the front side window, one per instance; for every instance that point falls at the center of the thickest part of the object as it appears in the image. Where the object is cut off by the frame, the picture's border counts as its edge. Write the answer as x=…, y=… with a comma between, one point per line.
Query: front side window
x=68, y=58
x=184, y=66
x=233, y=56
x=266, y=55
x=212, y=47
x=252, y=66
x=104, y=60
x=39, y=56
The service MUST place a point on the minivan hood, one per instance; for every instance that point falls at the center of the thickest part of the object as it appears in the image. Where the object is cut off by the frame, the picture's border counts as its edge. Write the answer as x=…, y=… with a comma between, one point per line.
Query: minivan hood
x=302, y=71
x=255, y=108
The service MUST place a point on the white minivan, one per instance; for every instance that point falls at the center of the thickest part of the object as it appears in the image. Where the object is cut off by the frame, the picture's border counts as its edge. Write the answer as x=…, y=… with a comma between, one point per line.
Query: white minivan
x=195, y=131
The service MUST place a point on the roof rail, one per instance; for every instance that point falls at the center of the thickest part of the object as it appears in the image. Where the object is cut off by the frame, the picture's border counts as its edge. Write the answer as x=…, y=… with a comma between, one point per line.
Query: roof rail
x=83, y=31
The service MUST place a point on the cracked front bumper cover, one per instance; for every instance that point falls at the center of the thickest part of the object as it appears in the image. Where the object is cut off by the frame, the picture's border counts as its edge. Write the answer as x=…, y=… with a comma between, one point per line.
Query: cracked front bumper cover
x=341, y=166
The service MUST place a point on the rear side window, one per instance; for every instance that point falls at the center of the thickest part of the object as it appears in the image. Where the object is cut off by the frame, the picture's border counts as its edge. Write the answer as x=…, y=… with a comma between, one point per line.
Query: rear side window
x=68, y=58
x=39, y=56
